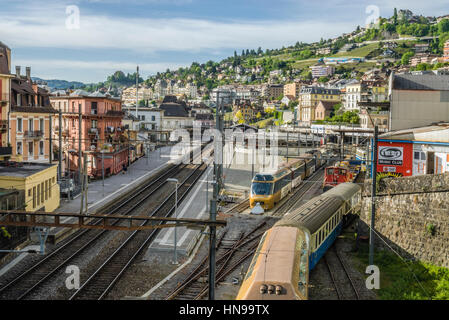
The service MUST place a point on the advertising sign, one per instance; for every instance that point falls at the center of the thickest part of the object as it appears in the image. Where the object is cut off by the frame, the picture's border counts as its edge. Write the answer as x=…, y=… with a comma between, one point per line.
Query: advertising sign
x=391, y=155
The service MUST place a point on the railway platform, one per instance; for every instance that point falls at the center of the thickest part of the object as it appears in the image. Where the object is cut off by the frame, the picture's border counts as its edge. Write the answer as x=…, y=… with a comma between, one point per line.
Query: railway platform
x=114, y=187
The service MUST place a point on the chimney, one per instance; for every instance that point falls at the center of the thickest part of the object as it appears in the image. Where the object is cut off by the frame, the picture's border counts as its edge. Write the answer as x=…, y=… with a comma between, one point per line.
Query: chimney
x=28, y=73
x=18, y=71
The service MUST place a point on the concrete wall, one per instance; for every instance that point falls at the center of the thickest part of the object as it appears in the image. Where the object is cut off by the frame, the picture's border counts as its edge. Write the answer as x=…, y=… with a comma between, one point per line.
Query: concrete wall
x=405, y=209
x=416, y=108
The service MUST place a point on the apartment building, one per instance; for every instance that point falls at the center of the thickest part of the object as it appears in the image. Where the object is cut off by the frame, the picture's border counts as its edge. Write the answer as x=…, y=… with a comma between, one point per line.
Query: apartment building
x=30, y=119
x=310, y=96
x=100, y=130
x=5, y=85
x=322, y=71
x=293, y=89
x=446, y=51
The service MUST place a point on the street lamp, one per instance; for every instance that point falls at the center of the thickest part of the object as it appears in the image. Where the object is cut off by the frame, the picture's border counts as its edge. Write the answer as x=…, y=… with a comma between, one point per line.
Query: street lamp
x=175, y=261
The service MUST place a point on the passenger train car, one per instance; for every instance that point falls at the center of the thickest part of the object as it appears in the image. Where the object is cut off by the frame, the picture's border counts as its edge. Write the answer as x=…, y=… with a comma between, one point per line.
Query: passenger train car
x=287, y=252
x=268, y=188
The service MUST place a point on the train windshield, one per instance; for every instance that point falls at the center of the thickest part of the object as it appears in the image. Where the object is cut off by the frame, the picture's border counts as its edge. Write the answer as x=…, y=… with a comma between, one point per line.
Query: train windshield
x=260, y=188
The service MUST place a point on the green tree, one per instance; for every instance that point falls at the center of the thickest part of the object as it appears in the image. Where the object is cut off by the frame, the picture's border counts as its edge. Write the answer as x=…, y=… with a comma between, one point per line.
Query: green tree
x=443, y=26
x=405, y=60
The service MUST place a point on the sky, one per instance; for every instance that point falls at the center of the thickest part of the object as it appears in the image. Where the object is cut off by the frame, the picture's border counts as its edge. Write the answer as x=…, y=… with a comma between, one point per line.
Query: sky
x=87, y=40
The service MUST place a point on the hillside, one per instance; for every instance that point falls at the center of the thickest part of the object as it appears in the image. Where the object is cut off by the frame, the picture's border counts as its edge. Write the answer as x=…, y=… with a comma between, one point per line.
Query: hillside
x=60, y=84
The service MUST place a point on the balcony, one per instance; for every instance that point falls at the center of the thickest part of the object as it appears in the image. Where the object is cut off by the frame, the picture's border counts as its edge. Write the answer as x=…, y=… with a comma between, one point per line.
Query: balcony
x=36, y=134
x=4, y=99
x=5, y=151
x=93, y=131
x=3, y=125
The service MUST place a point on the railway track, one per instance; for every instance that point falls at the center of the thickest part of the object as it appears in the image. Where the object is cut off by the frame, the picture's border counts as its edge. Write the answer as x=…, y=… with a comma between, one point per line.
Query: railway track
x=342, y=281
x=306, y=185
x=98, y=285
x=240, y=207
x=232, y=251
x=24, y=284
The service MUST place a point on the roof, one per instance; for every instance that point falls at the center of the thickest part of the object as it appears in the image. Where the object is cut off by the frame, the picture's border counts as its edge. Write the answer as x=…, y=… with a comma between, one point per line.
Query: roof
x=421, y=82
x=328, y=105
x=204, y=116
x=4, y=63
x=319, y=90
x=433, y=133
x=22, y=169
x=173, y=110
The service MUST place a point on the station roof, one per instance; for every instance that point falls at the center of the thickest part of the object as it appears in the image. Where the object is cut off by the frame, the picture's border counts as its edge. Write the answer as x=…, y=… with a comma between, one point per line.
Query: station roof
x=434, y=133
x=421, y=82
x=22, y=169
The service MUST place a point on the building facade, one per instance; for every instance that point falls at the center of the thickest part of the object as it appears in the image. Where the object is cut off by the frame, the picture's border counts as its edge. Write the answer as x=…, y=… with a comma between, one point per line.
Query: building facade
x=310, y=96
x=5, y=85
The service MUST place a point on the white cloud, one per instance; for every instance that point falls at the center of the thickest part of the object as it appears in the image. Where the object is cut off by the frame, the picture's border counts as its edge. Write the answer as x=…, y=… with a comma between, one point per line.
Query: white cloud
x=151, y=35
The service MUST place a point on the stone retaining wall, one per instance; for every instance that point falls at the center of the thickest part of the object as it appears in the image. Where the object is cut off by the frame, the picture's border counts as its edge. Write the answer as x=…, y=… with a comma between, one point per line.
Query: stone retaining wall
x=412, y=216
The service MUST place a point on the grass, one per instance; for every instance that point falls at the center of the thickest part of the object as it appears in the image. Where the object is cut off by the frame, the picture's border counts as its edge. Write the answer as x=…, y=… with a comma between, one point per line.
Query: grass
x=358, y=52
x=401, y=280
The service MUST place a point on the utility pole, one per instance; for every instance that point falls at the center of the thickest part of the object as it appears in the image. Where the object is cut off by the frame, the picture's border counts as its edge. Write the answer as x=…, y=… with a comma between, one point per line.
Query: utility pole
x=60, y=145
x=373, y=197
x=213, y=204
x=80, y=134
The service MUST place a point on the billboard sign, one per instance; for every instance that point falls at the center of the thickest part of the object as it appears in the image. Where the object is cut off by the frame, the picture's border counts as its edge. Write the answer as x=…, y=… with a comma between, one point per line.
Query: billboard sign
x=391, y=155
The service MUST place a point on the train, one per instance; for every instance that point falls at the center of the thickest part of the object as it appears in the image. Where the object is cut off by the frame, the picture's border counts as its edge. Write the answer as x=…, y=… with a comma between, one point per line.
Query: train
x=270, y=187
x=341, y=172
x=279, y=269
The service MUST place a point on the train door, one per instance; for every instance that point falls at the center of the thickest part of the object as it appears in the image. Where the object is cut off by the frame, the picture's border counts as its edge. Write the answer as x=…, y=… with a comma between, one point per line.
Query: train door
x=304, y=264
x=419, y=161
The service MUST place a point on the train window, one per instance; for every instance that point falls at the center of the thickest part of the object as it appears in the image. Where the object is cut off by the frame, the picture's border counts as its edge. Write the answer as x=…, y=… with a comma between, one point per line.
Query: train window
x=261, y=188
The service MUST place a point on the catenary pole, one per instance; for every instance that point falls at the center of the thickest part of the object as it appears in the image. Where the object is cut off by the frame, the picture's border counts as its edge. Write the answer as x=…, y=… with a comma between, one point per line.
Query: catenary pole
x=373, y=197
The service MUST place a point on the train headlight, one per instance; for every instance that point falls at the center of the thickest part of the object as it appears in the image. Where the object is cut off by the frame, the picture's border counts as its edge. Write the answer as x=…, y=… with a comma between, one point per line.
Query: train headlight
x=270, y=289
x=278, y=290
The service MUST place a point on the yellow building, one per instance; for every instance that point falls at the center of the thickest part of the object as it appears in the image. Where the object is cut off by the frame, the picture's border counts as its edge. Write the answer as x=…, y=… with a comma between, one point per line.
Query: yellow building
x=245, y=109
x=38, y=180
x=311, y=96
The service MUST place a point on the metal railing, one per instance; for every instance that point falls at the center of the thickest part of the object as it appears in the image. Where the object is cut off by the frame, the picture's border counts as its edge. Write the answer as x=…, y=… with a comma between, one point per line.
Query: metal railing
x=34, y=134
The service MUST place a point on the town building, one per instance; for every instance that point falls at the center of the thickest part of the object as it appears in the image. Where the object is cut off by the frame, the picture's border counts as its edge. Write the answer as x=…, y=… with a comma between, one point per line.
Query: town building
x=100, y=132
x=5, y=85
x=418, y=100
x=293, y=89
x=38, y=181
x=245, y=109
x=176, y=115
x=30, y=120
x=415, y=151
x=148, y=118
x=446, y=51
x=322, y=71
x=310, y=96
x=273, y=91
x=421, y=47
x=324, y=109
x=422, y=58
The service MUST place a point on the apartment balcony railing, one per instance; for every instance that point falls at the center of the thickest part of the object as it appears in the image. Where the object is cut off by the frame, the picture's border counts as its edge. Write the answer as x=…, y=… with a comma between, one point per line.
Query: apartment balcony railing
x=5, y=151
x=3, y=125
x=93, y=130
x=36, y=134
x=4, y=98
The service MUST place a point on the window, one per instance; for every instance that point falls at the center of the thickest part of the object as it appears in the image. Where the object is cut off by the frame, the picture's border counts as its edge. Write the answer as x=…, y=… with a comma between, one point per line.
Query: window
x=41, y=125
x=38, y=197
x=94, y=107
x=49, y=188
x=30, y=124
x=42, y=193
x=34, y=197
x=41, y=148
x=46, y=189
x=143, y=118
x=416, y=155
x=30, y=148
x=73, y=106
x=19, y=125
x=153, y=118
x=19, y=147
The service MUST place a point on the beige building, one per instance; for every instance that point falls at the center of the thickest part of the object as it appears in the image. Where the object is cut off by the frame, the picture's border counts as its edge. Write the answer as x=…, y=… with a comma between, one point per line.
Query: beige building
x=292, y=89
x=418, y=100
x=310, y=97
